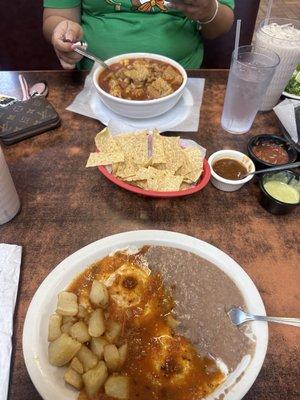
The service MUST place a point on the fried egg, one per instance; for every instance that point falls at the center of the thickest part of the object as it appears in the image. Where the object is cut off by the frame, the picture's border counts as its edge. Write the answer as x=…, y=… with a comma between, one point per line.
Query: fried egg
x=173, y=362
x=127, y=285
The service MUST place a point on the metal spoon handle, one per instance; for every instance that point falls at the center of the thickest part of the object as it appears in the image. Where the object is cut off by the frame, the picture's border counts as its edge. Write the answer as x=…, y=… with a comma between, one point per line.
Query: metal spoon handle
x=89, y=55
x=277, y=168
x=279, y=320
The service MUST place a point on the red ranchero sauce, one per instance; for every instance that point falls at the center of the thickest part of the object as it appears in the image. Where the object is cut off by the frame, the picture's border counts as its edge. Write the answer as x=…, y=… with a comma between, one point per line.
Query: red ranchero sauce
x=161, y=365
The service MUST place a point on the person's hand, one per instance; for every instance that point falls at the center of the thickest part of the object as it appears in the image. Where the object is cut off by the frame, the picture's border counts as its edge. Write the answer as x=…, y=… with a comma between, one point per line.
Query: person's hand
x=64, y=35
x=197, y=10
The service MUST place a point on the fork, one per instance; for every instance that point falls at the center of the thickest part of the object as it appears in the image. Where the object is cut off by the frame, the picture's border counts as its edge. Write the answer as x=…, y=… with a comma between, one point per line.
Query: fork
x=239, y=317
x=81, y=48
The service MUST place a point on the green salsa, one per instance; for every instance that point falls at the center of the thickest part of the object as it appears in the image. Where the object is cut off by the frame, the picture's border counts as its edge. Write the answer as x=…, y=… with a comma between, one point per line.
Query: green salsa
x=282, y=191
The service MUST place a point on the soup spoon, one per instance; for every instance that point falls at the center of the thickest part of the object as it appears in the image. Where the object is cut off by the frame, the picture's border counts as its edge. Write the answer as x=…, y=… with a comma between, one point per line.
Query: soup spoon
x=273, y=169
x=81, y=48
x=239, y=317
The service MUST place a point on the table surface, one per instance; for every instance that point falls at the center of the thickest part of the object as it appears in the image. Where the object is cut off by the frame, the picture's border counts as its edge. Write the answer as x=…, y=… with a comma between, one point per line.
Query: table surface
x=66, y=206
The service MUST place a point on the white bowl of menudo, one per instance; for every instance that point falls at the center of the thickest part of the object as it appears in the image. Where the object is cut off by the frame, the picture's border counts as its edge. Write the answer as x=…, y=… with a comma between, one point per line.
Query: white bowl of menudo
x=140, y=85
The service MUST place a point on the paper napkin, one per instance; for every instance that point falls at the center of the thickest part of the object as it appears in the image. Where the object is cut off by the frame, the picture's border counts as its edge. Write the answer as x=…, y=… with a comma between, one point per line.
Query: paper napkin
x=285, y=112
x=10, y=261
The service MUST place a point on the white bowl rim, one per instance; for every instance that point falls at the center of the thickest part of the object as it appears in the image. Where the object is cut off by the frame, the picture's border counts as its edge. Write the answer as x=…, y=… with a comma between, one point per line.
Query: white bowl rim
x=79, y=260
x=154, y=56
x=228, y=153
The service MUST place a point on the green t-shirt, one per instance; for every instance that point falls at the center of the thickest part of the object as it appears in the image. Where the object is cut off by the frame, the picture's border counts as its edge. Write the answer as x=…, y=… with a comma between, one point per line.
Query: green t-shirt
x=113, y=27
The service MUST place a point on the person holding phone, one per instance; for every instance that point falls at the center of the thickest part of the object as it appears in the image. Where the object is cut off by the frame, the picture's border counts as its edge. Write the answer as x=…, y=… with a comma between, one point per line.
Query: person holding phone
x=112, y=27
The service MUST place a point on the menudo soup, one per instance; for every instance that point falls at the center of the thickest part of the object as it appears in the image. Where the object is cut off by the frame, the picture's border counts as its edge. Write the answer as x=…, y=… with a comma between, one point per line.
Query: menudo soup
x=140, y=79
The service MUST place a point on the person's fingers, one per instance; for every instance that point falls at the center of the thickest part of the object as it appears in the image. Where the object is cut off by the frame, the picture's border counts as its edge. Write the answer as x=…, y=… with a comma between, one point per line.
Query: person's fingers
x=74, y=32
x=67, y=59
x=62, y=46
x=72, y=56
x=58, y=42
x=66, y=33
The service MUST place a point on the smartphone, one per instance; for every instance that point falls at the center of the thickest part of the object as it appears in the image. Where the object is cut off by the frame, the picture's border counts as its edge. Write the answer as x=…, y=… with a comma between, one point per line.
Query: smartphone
x=6, y=100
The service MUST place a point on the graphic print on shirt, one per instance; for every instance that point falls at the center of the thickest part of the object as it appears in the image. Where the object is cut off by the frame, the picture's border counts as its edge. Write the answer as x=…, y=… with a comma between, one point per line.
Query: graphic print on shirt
x=140, y=5
x=148, y=5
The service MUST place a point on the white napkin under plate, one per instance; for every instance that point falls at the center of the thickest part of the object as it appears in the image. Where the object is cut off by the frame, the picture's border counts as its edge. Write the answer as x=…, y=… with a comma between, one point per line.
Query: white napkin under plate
x=285, y=112
x=10, y=261
x=183, y=117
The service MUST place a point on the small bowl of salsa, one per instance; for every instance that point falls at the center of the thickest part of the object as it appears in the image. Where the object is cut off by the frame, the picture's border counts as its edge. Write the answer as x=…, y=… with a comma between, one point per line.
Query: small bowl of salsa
x=280, y=191
x=270, y=150
x=230, y=169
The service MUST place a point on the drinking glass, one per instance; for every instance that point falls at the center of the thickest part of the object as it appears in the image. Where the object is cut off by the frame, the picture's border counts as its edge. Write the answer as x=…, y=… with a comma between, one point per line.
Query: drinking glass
x=9, y=200
x=288, y=50
x=251, y=71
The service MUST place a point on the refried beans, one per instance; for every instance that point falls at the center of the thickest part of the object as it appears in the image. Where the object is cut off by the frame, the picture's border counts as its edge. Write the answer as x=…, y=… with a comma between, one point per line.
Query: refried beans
x=202, y=293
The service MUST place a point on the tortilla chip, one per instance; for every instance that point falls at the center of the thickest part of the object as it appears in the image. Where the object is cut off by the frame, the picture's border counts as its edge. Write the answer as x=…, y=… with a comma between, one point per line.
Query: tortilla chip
x=141, y=175
x=126, y=169
x=186, y=167
x=134, y=146
x=193, y=176
x=96, y=159
x=163, y=181
x=106, y=143
x=170, y=168
x=158, y=152
x=173, y=154
x=140, y=184
x=185, y=186
x=195, y=157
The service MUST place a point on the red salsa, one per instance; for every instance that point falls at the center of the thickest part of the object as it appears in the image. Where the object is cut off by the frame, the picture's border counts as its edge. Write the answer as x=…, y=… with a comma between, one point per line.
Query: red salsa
x=271, y=153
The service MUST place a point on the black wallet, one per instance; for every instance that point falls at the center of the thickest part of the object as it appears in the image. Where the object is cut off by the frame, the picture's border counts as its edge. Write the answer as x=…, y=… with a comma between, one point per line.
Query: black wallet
x=24, y=119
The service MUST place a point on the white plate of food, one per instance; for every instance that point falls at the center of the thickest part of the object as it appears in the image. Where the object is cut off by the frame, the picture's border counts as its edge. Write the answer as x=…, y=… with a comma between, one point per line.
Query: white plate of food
x=201, y=282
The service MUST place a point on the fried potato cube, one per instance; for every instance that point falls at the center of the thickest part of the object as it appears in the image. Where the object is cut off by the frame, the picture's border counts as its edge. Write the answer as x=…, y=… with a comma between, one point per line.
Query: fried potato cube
x=82, y=312
x=112, y=357
x=113, y=330
x=66, y=319
x=99, y=294
x=76, y=365
x=87, y=358
x=54, y=326
x=67, y=304
x=94, y=379
x=65, y=328
x=62, y=350
x=122, y=354
x=97, y=346
x=79, y=331
x=73, y=378
x=117, y=387
x=96, y=323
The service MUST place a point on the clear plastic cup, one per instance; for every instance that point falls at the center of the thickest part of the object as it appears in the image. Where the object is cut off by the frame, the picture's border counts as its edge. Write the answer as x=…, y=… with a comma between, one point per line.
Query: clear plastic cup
x=9, y=199
x=289, y=52
x=251, y=71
